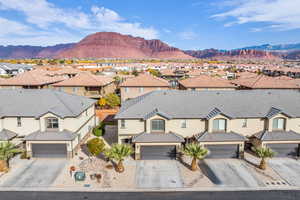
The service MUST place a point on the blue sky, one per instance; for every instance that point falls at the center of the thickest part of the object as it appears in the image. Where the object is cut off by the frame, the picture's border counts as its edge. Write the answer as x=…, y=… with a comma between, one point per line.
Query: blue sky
x=186, y=24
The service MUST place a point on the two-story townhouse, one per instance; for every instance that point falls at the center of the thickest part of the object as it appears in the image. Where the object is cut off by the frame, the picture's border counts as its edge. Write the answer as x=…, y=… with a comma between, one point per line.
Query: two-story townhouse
x=158, y=123
x=140, y=85
x=51, y=123
x=87, y=84
x=205, y=82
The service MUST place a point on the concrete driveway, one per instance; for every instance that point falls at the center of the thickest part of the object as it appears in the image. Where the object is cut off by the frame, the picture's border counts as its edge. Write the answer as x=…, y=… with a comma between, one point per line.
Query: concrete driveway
x=34, y=173
x=158, y=174
x=230, y=172
x=288, y=169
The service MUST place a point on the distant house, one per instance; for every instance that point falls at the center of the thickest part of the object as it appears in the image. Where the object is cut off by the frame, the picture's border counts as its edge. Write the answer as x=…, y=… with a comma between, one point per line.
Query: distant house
x=87, y=84
x=13, y=69
x=35, y=79
x=49, y=123
x=205, y=82
x=141, y=85
x=248, y=80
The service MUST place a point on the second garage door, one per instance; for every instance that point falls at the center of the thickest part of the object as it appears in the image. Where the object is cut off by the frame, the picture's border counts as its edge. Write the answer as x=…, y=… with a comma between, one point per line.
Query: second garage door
x=223, y=151
x=285, y=150
x=49, y=150
x=158, y=152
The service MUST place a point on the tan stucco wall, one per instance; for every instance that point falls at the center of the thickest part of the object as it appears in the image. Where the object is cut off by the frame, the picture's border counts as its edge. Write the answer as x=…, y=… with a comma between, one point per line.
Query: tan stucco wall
x=29, y=125
x=132, y=127
x=135, y=91
x=253, y=126
x=110, y=88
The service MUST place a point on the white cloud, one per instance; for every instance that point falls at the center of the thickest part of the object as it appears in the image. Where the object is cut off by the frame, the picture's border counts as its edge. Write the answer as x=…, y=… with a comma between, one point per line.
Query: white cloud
x=12, y=27
x=41, y=17
x=281, y=14
x=188, y=35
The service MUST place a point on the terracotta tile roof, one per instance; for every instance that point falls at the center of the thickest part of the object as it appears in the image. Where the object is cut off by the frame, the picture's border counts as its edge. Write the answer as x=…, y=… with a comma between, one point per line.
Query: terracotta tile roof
x=255, y=81
x=63, y=71
x=206, y=81
x=145, y=80
x=85, y=79
x=35, y=78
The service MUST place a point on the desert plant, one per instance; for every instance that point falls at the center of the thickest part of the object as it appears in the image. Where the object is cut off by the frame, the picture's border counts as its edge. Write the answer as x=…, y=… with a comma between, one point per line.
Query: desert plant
x=112, y=100
x=196, y=152
x=102, y=102
x=95, y=146
x=118, y=152
x=7, y=151
x=264, y=153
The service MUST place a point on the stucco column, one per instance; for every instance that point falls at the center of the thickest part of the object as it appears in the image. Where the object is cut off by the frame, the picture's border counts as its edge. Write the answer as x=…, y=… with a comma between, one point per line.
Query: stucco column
x=137, y=152
x=1, y=124
x=241, y=151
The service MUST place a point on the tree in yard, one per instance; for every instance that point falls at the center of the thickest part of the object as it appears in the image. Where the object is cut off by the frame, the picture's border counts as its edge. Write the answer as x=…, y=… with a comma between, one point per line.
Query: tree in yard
x=264, y=153
x=119, y=152
x=135, y=72
x=154, y=72
x=196, y=152
x=102, y=102
x=7, y=151
x=112, y=100
x=95, y=146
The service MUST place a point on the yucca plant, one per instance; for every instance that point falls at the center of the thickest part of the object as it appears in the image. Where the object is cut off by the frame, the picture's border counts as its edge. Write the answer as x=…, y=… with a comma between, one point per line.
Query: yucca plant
x=264, y=153
x=196, y=152
x=7, y=151
x=119, y=152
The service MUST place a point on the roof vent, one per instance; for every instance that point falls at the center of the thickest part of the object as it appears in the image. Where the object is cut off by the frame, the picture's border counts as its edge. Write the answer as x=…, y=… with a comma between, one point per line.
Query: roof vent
x=165, y=93
x=218, y=93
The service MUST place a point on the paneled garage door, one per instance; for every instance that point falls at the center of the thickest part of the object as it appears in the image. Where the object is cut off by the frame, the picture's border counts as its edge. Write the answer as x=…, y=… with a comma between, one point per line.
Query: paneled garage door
x=285, y=150
x=223, y=151
x=158, y=152
x=49, y=150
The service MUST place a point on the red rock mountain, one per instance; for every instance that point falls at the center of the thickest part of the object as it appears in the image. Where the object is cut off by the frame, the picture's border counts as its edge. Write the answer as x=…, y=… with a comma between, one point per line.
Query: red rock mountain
x=115, y=45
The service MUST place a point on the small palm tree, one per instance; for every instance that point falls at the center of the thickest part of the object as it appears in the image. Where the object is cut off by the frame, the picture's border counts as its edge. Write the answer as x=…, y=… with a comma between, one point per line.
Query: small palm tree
x=264, y=153
x=118, y=152
x=7, y=151
x=196, y=152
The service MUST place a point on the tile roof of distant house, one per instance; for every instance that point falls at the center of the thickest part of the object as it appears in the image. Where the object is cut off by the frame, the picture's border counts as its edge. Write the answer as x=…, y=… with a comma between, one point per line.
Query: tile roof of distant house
x=35, y=103
x=51, y=136
x=36, y=77
x=65, y=70
x=157, y=137
x=145, y=80
x=6, y=135
x=206, y=81
x=277, y=136
x=86, y=79
x=219, y=137
x=252, y=80
x=180, y=104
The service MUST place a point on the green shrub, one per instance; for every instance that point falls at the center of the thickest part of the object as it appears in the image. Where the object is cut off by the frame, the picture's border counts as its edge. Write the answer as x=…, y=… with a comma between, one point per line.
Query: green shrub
x=95, y=146
x=98, y=131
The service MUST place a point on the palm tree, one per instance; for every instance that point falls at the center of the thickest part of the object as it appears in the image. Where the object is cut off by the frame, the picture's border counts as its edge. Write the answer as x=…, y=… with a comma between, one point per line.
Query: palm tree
x=195, y=151
x=264, y=153
x=7, y=151
x=118, y=152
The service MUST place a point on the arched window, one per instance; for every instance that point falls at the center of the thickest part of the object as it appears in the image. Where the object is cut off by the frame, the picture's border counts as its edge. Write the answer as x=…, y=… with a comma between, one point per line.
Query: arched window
x=52, y=123
x=219, y=125
x=157, y=125
x=279, y=123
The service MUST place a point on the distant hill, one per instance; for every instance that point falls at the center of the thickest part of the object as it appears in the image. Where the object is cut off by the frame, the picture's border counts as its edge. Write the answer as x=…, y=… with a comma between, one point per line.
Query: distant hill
x=99, y=45
x=280, y=47
x=115, y=45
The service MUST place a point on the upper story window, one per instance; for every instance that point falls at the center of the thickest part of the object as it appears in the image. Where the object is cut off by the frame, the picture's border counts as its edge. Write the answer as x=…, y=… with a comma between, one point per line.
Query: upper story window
x=52, y=123
x=75, y=89
x=158, y=125
x=279, y=123
x=19, y=121
x=123, y=125
x=183, y=124
x=141, y=89
x=219, y=125
x=126, y=89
